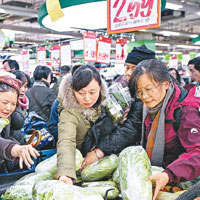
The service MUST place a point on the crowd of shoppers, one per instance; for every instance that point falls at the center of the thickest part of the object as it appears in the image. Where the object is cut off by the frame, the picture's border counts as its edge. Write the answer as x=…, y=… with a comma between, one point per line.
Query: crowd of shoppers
x=76, y=103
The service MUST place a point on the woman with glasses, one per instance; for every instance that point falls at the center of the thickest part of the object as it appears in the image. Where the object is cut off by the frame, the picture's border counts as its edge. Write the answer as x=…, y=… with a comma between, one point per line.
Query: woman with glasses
x=176, y=150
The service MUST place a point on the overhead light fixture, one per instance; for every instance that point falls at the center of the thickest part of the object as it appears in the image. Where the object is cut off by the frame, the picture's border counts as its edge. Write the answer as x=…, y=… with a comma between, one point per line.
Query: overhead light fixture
x=84, y=14
x=175, y=52
x=187, y=46
x=197, y=43
x=59, y=36
x=198, y=13
x=162, y=44
x=9, y=31
x=193, y=35
x=158, y=51
x=173, y=6
x=169, y=33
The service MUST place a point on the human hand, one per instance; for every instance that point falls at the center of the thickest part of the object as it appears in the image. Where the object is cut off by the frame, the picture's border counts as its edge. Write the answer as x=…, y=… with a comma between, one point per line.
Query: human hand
x=125, y=115
x=24, y=153
x=66, y=179
x=161, y=180
x=92, y=157
x=198, y=198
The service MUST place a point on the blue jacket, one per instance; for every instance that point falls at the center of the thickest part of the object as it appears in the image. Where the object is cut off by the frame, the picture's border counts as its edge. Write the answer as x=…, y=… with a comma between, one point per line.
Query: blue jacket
x=53, y=120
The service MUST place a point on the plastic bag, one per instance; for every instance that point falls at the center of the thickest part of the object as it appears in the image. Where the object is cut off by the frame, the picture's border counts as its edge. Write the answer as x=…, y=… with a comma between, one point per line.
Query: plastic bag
x=118, y=101
x=50, y=164
x=57, y=190
x=104, y=188
x=19, y=192
x=134, y=169
x=100, y=169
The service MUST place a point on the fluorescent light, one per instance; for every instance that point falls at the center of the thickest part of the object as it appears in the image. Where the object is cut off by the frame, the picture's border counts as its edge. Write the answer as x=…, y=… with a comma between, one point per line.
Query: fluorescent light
x=8, y=31
x=173, y=6
x=198, y=13
x=193, y=35
x=59, y=35
x=162, y=44
x=176, y=52
x=187, y=47
x=158, y=51
x=169, y=33
x=197, y=43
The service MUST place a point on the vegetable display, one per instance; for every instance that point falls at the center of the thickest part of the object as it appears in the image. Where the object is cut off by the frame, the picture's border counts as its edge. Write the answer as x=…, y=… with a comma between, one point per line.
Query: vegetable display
x=118, y=101
x=134, y=169
x=50, y=164
x=100, y=169
x=57, y=190
x=102, y=187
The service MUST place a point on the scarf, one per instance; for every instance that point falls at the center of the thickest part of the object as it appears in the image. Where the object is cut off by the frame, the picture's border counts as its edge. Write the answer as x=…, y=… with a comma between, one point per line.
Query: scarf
x=24, y=102
x=156, y=145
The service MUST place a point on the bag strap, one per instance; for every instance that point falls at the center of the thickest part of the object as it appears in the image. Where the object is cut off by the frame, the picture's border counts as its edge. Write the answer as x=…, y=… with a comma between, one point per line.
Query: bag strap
x=177, y=117
x=38, y=104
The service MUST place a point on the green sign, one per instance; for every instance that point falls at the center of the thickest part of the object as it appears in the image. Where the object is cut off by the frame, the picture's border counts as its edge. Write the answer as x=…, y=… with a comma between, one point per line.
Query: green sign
x=150, y=44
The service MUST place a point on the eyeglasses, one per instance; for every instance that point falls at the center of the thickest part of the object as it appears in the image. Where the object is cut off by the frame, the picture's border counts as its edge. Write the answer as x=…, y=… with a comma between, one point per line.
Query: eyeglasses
x=147, y=92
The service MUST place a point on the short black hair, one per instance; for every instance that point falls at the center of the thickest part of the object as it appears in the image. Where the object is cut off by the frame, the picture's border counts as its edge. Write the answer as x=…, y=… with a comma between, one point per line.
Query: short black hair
x=153, y=68
x=64, y=70
x=41, y=72
x=13, y=64
x=23, y=77
x=195, y=62
x=83, y=75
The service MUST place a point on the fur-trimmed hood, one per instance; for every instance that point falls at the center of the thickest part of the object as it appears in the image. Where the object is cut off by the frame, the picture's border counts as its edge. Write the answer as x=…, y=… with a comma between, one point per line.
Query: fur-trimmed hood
x=66, y=95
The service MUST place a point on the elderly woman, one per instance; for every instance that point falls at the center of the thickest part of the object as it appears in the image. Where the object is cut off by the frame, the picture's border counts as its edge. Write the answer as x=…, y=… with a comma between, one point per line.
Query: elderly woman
x=177, y=150
x=10, y=147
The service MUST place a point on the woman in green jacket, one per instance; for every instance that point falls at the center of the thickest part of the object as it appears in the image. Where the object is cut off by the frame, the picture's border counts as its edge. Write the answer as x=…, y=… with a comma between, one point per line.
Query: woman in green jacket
x=81, y=97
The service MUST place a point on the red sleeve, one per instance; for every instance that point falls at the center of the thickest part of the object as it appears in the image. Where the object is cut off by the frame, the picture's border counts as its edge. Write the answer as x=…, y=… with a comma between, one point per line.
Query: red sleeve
x=187, y=166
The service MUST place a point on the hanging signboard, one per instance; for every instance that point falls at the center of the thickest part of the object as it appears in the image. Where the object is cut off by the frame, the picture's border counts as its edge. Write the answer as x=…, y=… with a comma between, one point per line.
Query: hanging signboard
x=65, y=55
x=55, y=56
x=41, y=55
x=25, y=60
x=90, y=46
x=131, y=15
x=121, y=50
x=104, y=46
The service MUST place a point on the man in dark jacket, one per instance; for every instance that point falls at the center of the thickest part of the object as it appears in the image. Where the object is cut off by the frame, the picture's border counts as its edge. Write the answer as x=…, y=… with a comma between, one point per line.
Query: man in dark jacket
x=40, y=96
x=137, y=55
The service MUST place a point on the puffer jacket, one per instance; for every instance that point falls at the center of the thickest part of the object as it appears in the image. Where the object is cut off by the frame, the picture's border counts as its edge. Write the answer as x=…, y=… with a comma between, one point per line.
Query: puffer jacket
x=182, y=147
x=44, y=95
x=73, y=125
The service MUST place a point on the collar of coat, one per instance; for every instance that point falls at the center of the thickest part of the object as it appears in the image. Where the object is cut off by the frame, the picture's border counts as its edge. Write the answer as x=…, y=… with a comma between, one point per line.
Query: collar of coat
x=68, y=100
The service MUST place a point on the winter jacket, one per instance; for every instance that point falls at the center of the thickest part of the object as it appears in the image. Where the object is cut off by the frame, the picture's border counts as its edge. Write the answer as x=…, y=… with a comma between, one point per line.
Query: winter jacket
x=44, y=95
x=182, y=147
x=8, y=138
x=73, y=125
x=53, y=120
x=126, y=134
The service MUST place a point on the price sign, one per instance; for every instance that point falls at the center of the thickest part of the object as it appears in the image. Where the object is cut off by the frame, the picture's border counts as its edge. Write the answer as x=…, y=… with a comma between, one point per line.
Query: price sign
x=121, y=50
x=66, y=55
x=90, y=47
x=55, y=56
x=41, y=55
x=132, y=15
x=104, y=46
x=25, y=60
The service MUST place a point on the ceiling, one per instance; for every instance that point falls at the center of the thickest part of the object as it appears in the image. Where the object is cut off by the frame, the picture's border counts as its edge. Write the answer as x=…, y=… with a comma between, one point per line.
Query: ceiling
x=21, y=16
